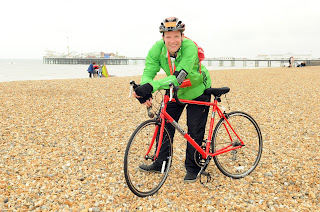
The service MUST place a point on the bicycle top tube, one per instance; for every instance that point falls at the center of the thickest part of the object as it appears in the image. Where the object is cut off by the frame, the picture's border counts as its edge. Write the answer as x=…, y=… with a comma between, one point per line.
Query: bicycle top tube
x=216, y=92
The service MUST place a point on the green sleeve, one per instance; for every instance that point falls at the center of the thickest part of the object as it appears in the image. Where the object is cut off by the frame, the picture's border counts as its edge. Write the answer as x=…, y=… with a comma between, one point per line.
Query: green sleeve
x=152, y=64
x=164, y=83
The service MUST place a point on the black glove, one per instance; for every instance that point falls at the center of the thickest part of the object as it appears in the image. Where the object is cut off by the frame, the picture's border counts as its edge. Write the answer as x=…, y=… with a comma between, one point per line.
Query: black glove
x=144, y=91
x=180, y=75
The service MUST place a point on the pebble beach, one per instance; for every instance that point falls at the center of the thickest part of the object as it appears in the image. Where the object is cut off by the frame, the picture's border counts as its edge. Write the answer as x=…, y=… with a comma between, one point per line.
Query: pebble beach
x=62, y=146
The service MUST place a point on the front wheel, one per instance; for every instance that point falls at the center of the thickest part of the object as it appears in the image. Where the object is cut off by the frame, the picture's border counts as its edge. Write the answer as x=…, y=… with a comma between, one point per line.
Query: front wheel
x=240, y=162
x=141, y=150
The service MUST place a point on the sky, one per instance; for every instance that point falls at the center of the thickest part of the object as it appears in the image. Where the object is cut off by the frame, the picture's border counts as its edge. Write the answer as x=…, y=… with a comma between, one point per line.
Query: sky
x=231, y=28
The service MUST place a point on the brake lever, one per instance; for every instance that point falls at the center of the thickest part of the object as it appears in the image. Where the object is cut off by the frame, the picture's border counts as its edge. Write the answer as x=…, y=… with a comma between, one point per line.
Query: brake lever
x=133, y=85
x=131, y=89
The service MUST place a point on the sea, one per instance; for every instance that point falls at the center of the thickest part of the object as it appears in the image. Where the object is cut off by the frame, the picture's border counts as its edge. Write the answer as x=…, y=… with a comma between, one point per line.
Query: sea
x=35, y=69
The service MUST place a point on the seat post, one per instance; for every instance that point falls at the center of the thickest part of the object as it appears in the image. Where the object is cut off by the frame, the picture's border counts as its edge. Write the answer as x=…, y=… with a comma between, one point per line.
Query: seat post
x=214, y=110
x=217, y=98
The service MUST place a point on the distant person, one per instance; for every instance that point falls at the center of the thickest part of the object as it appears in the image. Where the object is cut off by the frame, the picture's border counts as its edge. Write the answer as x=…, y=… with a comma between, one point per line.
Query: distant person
x=95, y=70
x=291, y=60
x=301, y=64
x=91, y=70
x=100, y=71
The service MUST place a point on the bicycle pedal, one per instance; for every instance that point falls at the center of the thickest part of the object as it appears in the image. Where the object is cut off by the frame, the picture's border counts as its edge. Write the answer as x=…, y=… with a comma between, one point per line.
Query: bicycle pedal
x=207, y=175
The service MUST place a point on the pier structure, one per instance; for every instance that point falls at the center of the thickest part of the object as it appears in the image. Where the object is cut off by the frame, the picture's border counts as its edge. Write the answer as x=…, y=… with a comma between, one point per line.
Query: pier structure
x=85, y=61
x=258, y=62
x=209, y=61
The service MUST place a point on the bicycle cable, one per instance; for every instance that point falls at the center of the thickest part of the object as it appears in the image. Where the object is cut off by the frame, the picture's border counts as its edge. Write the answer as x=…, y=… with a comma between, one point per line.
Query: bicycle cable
x=157, y=100
x=225, y=95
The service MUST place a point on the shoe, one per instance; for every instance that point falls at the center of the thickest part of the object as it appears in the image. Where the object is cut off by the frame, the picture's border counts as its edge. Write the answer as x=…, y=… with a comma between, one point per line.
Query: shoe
x=150, y=168
x=190, y=177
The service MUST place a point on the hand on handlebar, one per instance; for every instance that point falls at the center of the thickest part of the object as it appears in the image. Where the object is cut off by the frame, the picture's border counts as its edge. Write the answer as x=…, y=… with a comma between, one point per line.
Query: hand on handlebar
x=143, y=92
x=147, y=103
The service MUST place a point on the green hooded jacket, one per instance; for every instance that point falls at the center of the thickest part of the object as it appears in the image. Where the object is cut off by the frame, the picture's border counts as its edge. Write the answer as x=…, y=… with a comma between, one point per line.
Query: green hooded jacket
x=187, y=59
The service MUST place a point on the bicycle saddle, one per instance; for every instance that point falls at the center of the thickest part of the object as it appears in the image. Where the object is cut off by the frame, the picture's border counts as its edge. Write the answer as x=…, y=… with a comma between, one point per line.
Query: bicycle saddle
x=217, y=91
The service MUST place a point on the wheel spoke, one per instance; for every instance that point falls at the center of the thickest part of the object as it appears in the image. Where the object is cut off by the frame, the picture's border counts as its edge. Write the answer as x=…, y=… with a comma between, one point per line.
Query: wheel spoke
x=144, y=183
x=240, y=162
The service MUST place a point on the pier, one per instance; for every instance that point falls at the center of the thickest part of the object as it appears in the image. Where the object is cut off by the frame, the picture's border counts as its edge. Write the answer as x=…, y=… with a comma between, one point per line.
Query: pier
x=207, y=61
x=85, y=61
x=257, y=62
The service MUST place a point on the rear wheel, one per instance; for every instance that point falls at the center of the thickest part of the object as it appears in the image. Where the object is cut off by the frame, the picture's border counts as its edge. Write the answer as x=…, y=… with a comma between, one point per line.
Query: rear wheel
x=140, y=182
x=240, y=162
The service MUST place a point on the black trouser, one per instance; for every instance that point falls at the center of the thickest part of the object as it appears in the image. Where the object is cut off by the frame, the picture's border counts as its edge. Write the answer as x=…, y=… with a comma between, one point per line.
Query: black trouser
x=196, y=121
x=90, y=75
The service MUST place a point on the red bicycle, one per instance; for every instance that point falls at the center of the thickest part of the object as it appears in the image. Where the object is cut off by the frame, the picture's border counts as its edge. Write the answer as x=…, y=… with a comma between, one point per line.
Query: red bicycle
x=235, y=144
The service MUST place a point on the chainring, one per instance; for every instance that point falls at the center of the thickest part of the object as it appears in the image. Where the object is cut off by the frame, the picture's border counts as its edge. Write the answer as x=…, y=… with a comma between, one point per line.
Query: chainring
x=198, y=157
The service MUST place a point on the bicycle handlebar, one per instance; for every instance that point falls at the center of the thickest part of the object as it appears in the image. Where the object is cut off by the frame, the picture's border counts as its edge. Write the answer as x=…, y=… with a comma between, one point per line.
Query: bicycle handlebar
x=133, y=86
x=173, y=93
x=174, y=90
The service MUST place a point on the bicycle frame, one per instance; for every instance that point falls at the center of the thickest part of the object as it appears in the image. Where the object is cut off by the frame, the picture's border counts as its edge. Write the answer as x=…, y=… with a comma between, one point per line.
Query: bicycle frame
x=165, y=117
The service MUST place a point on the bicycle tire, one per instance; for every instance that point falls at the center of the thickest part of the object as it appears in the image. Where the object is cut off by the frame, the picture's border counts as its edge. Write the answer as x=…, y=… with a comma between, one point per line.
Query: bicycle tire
x=143, y=183
x=240, y=162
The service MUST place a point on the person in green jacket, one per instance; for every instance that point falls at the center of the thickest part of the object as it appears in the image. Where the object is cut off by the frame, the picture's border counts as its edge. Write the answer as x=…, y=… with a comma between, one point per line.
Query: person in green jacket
x=178, y=57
